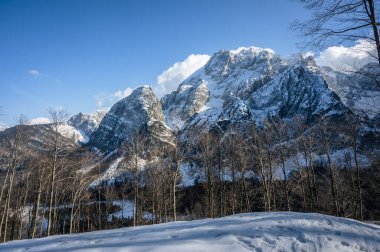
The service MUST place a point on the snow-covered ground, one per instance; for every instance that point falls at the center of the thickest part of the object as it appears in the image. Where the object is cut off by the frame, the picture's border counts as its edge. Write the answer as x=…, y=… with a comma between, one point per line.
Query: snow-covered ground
x=282, y=231
x=126, y=210
x=109, y=174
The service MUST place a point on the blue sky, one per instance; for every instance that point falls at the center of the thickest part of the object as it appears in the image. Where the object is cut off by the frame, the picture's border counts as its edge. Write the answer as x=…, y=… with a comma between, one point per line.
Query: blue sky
x=67, y=54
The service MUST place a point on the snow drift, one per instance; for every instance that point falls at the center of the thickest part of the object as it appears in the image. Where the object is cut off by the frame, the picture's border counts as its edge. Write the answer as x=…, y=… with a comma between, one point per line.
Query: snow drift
x=276, y=231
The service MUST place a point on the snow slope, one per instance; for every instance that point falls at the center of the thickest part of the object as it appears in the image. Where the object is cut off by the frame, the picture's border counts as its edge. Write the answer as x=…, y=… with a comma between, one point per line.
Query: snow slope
x=3, y=127
x=39, y=120
x=72, y=133
x=86, y=123
x=281, y=231
x=109, y=174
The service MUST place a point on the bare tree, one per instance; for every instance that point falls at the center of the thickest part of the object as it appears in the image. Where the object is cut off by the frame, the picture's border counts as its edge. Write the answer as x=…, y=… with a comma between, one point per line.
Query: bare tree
x=132, y=161
x=260, y=141
x=306, y=145
x=79, y=184
x=343, y=20
x=206, y=146
x=179, y=155
x=325, y=132
x=37, y=201
x=281, y=132
x=353, y=132
x=58, y=117
x=232, y=162
x=15, y=146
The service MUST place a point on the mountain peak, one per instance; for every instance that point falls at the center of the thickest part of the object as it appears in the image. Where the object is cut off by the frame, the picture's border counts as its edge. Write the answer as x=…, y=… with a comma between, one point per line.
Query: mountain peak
x=224, y=62
x=140, y=91
x=248, y=84
x=144, y=88
x=85, y=123
x=251, y=50
x=139, y=112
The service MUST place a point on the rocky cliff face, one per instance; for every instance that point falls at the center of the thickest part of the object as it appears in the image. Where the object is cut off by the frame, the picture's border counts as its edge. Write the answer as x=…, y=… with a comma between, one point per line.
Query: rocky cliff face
x=85, y=123
x=359, y=90
x=247, y=85
x=140, y=112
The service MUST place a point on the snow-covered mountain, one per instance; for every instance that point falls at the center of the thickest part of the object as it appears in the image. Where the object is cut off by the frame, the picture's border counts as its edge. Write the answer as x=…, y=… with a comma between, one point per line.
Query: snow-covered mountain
x=359, y=90
x=3, y=127
x=72, y=133
x=228, y=76
x=39, y=121
x=250, y=84
x=267, y=231
x=39, y=138
x=140, y=112
x=86, y=124
x=40, y=131
x=77, y=128
x=238, y=86
x=242, y=86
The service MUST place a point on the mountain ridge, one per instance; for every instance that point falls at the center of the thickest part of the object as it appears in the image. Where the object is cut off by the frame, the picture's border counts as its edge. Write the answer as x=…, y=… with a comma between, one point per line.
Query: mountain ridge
x=239, y=87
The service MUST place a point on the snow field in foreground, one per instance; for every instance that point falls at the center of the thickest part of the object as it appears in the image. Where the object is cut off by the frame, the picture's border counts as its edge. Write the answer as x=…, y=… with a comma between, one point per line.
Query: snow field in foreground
x=273, y=231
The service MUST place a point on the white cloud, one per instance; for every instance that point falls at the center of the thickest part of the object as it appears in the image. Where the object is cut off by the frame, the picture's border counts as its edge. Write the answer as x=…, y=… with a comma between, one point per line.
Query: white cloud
x=34, y=73
x=347, y=58
x=169, y=80
x=38, y=74
x=105, y=100
x=120, y=94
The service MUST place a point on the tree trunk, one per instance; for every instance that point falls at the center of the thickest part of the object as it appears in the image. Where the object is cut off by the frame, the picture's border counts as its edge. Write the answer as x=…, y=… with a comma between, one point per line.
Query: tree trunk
x=72, y=217
x=37, y=205
x=6, y=212
x=23, y=205
x=358, y=181
x=52, y=183
x=370, y=9
x=285, y=180
x=332, y=180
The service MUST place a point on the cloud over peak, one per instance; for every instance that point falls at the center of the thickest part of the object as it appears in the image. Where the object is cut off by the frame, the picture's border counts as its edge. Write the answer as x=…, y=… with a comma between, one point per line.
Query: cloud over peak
x=347, y=58
x=169, y=79
x=106, y=100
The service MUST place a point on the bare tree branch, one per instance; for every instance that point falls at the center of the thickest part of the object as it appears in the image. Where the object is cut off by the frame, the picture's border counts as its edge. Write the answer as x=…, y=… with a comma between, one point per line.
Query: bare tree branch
x=345, y=19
